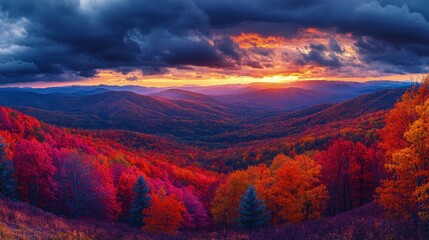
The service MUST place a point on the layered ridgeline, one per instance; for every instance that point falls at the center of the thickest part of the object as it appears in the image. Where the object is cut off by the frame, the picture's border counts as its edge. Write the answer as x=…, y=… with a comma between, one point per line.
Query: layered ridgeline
x=328, y=166
x=200, y=118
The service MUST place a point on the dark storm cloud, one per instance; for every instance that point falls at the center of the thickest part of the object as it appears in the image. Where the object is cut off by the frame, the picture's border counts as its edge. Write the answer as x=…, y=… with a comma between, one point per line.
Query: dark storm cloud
x=392, y=21
x=404, y=59
x=321, y=55
x=69, y=39
x=62, y=37
x=132, y=78
x=335, y=46
x=228, y=47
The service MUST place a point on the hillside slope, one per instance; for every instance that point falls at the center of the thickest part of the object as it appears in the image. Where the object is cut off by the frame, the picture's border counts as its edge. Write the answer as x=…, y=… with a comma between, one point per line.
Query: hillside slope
x=21, y=221
x=183, y=95
x=121, y=110
x=286, y=124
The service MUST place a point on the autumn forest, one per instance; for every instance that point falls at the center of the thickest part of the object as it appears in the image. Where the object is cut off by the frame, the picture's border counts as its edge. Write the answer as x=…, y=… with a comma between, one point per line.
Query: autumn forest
x=170, y=186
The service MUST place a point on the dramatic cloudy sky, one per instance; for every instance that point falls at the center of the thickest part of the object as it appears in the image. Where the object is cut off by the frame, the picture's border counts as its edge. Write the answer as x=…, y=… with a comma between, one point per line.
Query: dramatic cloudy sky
x=175, y=42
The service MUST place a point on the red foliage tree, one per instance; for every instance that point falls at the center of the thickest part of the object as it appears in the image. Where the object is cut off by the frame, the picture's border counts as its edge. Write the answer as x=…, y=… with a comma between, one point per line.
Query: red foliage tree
x=362, y=175
x=336, y=161
x=165, y=214
x=125, y=191
x=34, y=172
x=352, y=172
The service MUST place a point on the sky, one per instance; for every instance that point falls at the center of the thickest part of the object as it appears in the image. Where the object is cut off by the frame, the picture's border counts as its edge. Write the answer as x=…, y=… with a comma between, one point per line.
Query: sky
x=207, y=42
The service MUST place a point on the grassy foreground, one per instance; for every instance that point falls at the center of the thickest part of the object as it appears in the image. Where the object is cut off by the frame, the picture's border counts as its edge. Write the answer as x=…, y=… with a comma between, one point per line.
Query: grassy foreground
x=21, y=221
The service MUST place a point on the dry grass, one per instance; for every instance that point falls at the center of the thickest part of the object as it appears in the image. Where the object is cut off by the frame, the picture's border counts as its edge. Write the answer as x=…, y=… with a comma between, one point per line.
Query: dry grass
x=21, y=221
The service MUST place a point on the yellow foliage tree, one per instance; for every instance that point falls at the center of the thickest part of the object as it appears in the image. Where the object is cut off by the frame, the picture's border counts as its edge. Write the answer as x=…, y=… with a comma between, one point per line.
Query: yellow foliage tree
x=406, y=192
x=228, y=195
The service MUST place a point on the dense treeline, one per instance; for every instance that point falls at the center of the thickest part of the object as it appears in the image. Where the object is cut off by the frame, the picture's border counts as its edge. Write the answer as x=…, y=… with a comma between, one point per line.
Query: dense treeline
x=405, y=192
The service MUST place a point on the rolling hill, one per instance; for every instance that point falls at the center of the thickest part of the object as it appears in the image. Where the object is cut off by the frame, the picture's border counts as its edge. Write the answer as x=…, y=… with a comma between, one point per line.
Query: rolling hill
x=183, y=95
x=198, y=118
x=120, y=110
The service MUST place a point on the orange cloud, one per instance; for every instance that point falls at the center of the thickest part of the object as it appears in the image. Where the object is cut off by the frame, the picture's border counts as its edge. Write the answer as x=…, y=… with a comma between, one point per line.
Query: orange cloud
x=253, y=40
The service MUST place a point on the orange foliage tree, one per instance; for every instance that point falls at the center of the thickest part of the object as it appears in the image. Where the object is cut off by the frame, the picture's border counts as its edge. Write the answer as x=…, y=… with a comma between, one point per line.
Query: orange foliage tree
x=297, y=192
x=165, y=213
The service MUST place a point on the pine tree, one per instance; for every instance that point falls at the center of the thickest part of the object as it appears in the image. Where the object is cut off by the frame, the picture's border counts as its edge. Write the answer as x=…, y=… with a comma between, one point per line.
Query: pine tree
x=140, y=202
x=7, y=182
x=252, y=211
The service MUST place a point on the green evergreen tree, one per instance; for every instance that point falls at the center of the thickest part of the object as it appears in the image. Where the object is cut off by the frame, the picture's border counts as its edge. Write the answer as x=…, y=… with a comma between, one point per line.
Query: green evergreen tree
x=252, y=211
x=140, y=202
x=7, y=181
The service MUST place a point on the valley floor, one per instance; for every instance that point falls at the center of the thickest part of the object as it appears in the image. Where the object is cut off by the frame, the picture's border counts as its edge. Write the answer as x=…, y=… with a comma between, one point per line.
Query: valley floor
x=21, y=221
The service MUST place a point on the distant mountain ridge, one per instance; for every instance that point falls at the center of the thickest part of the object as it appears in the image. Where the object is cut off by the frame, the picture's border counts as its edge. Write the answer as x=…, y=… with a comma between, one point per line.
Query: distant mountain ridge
x=197, y=117
x=286, y=98
x=226, y=89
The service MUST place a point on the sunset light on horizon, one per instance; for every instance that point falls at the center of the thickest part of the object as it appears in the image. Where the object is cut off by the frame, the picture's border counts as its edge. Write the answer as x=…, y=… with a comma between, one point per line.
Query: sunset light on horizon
x=118, y=79
x=203, y=46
